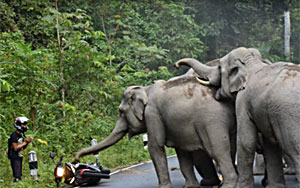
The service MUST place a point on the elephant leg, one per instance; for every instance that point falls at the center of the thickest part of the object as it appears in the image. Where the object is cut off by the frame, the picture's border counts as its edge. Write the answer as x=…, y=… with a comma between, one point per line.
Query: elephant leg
x=290, y=167
x=259, y=166
x=205, y=168
x=273, y=160
x=246, y=146
x=220, y=145
x=158, y=156
x=156, y=142
x=288, y=137
x=295, y=158
x=264, y=181
x=296, y=161
x=233, y=148
x=187, y=168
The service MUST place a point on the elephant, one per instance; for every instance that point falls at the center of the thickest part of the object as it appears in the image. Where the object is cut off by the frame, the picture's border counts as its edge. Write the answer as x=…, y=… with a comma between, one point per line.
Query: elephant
x=267, y=100
x=182, y=114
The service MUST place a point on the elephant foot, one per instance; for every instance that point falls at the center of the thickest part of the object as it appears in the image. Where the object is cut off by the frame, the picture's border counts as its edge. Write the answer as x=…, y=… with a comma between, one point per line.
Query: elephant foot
x=264, y=181
x=227, y=186
x=258, y=170
x=165, y=186
x=191, y=185
x=289, y=170
x=210, y=182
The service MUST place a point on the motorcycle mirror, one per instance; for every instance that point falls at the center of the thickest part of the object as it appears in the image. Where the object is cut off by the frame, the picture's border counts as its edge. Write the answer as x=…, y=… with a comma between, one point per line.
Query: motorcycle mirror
x=52, y=155
x=60, y=160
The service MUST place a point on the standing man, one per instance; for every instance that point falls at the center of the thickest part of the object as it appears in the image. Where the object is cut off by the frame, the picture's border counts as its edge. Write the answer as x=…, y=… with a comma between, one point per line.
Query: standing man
x=16, y=144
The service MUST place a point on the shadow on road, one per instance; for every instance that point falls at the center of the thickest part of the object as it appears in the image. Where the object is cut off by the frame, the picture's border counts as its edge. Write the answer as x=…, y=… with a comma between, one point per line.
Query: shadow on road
x=144, y=176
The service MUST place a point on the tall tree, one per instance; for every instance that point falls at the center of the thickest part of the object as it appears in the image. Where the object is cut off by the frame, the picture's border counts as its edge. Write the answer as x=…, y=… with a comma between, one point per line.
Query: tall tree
x=287, y=30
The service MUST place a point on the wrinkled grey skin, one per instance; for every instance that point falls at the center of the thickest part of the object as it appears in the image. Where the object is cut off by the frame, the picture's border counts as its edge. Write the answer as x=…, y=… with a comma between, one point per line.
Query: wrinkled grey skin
x=182, y=114
x=267, y=100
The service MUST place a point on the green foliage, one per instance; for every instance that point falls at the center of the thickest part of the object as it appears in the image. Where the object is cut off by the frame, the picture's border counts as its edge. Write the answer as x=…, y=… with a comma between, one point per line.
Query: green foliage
x=148, y=36
x=295, y=31
x=66, y=68
x=259, y=24
x=7, y=15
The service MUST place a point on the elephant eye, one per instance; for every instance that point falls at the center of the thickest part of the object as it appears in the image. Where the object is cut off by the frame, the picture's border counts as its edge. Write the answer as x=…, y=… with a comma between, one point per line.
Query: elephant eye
x=234, y=71
x=130, y=100
x=121, y=110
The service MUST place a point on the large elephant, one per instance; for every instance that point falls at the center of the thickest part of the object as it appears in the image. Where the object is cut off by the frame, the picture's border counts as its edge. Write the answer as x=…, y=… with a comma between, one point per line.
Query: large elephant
x=267, y=100
x=182, y=114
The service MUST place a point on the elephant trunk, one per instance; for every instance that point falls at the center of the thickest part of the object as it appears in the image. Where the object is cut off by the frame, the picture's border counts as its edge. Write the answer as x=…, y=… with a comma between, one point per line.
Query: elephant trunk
x=210, y=73
x=117, y=134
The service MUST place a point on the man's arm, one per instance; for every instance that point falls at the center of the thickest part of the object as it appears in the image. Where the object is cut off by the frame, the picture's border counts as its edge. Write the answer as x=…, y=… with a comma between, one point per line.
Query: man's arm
x=17, y=147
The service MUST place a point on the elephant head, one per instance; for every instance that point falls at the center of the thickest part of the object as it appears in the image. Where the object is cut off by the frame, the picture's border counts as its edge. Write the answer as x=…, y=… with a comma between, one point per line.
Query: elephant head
x=131, y=120
x=230, y=75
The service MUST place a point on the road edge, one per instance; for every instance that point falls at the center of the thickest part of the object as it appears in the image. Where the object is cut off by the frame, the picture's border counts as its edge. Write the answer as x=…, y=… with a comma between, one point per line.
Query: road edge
x=135, y=165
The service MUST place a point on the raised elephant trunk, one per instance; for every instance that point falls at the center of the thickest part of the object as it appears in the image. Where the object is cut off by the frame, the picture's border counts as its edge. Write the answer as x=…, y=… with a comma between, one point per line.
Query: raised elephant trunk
x=212, y=74
x=117, y=134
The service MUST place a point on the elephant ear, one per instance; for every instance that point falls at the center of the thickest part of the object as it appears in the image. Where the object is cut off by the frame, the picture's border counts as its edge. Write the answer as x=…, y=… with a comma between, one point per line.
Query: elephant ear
x=139, y=101
x=237, y=76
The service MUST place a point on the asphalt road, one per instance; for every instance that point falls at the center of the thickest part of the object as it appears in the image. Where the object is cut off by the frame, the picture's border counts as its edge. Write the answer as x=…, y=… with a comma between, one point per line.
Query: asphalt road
x=143, y=176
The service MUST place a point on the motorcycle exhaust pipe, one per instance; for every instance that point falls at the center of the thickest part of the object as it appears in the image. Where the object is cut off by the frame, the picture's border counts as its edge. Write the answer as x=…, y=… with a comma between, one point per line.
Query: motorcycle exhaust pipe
x=85, y=173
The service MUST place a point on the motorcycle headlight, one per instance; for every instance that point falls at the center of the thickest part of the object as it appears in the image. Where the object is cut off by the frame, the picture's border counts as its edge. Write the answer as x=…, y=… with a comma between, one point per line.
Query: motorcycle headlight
x=60, y=171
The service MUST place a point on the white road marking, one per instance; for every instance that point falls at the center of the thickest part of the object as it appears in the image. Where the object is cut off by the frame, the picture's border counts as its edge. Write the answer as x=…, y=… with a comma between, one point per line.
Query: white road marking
x=133, y=166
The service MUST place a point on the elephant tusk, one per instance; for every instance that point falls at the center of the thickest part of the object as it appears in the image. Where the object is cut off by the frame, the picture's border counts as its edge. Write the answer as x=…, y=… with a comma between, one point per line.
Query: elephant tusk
x=206, y=83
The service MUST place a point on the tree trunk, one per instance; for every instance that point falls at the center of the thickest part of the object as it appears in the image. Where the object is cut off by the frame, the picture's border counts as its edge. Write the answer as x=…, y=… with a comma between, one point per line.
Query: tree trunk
x=287, y=32
x=60, y=51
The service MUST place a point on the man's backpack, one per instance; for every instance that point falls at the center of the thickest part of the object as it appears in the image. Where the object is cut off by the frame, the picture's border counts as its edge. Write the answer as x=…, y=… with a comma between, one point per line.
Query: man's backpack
x=8, y=149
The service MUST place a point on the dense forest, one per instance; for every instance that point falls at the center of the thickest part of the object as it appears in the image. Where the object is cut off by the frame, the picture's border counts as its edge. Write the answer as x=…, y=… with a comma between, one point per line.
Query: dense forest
x=64, y=64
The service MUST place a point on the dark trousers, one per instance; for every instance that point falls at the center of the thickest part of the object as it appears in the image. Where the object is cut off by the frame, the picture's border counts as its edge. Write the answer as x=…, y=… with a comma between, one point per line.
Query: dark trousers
x=16, y=165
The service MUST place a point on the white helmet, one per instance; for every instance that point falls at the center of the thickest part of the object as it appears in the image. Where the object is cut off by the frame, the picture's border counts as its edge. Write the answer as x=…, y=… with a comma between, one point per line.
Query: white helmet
x=19, y=121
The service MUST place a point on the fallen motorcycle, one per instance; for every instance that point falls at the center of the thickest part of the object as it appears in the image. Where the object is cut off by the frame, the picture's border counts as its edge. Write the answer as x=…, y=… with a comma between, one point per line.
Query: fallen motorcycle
x=79, y=174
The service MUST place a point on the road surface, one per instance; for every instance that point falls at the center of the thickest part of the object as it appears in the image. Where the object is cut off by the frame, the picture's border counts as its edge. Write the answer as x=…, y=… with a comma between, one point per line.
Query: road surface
x=144, y=176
